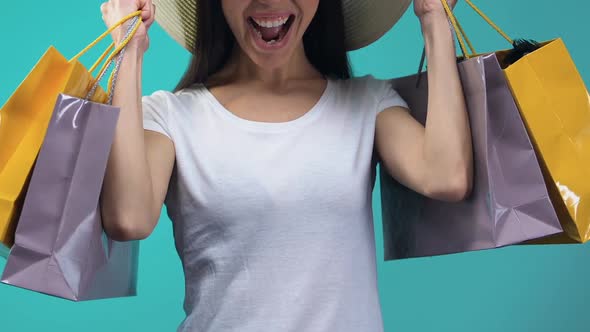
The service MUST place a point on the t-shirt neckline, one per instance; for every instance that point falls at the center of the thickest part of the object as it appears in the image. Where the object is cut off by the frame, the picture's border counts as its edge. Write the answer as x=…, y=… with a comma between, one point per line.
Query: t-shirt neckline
x=272, y=126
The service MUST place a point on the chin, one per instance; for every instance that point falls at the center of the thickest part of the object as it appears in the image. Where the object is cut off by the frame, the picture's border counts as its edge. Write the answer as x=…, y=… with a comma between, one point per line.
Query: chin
x=270, y=61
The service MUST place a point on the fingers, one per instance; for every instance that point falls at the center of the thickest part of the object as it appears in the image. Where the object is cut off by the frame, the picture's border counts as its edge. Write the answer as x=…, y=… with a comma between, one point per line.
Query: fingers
x=114, y=10
x=104, y=9
x=152, y=17
x=148, y=11
x=147, y=8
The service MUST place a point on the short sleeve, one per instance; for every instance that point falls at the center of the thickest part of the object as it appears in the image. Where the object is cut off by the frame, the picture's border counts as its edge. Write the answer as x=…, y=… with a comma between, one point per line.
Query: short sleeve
x=386, y=95
x=156, y=111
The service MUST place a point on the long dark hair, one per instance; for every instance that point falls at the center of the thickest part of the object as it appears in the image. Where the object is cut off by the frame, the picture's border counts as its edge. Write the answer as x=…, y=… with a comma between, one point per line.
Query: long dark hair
x=324, y=42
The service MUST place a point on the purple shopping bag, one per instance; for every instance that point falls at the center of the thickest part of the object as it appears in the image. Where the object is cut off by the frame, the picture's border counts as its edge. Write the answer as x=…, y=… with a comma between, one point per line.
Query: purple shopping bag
x=509, y=203
x=60, y=247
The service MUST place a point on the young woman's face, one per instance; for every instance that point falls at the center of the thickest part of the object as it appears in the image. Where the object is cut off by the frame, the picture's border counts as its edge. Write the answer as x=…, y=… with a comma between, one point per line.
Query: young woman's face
x=269, y=31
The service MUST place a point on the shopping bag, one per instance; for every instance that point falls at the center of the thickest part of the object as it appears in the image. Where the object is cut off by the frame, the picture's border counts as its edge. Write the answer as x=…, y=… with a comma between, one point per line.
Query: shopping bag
x=24, y=119
x=555, y=106
x=60, y=247
x=509, y=202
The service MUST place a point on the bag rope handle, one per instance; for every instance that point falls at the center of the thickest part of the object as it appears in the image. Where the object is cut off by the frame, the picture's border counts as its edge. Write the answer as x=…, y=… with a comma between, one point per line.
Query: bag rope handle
x=459, y=29
x=490, y=22
x=104, y=34
x=119, y=51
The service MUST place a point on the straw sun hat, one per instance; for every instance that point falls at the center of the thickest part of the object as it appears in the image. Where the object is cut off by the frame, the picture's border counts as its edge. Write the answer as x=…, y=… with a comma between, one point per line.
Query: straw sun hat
x=365, y=20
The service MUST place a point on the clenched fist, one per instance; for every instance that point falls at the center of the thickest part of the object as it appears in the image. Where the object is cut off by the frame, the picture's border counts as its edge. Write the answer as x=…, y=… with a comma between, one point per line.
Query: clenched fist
x=115, y=10
x=424, y=7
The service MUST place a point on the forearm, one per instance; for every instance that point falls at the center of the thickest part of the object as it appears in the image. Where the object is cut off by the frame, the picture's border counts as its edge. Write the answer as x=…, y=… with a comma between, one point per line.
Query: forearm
x=447, y=141
x=127, y=190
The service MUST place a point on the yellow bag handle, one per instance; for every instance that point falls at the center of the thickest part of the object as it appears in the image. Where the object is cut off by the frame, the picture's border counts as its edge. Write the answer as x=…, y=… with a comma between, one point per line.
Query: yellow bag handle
x=114, y=52
x=117, y=52
x=102, y=36
x=104, y=55
x=490, y=22
x=461, y=33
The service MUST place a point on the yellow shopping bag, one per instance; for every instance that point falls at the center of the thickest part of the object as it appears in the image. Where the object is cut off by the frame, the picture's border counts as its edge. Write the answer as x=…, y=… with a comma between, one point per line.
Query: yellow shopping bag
x=25, y=116
x=555, y=106
x=554, y=103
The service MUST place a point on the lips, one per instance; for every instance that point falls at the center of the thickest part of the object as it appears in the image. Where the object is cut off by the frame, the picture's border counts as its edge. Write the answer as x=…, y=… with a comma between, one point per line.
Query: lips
x=271, y=29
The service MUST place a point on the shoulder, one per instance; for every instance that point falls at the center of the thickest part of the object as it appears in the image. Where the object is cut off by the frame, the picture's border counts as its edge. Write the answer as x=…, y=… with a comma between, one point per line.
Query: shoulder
x=167, y=112
x=176, y=104
x=367, y=86
x=171, y=100
x=379, y=92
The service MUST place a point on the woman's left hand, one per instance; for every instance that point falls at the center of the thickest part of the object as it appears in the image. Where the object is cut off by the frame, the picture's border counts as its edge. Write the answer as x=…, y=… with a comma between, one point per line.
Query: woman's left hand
x=424, y=8
x=435, y=160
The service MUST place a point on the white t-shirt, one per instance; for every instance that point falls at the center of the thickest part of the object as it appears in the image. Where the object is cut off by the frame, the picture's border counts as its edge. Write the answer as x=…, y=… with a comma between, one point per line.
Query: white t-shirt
x=273, y=222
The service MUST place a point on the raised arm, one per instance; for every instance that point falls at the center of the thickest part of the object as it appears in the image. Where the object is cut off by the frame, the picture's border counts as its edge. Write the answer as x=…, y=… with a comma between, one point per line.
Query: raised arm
x=141, y=162
x=435, y=160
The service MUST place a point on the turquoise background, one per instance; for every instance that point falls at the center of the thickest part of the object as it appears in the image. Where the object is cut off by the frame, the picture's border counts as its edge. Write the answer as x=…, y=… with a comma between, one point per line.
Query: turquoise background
x=510, y=289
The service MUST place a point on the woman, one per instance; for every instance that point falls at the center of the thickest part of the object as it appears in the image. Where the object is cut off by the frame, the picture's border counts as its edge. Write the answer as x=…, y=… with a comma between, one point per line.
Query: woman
x=265, y=158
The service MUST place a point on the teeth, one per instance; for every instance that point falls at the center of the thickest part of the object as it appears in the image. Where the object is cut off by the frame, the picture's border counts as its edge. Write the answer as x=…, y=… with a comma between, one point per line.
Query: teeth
x=271, y=23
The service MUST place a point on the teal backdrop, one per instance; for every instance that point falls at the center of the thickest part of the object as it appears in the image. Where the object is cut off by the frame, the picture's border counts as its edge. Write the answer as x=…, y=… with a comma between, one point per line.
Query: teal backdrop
x=511, y=290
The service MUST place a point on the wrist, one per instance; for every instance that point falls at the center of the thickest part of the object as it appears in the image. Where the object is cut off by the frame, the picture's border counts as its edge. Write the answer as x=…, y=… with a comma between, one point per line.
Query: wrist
x=437, y=33
x=133, y=54
x=134, y=50
x=434, y=20
x=436, y=26
x=134, y=47
x=119, y=33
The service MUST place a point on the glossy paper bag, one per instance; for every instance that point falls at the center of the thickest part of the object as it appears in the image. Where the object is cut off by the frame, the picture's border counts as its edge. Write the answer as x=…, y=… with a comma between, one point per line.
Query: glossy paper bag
x=555, y=106
x=60, y=247
x=23, y=122
x=509, y=202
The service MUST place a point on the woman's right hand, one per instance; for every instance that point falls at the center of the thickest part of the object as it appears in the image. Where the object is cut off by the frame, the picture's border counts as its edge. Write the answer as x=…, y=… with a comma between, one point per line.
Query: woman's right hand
x=140, y=161
x=115, y=10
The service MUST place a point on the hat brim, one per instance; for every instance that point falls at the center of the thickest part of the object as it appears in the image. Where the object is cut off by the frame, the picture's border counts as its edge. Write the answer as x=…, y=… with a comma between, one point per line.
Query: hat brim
x=365, y=20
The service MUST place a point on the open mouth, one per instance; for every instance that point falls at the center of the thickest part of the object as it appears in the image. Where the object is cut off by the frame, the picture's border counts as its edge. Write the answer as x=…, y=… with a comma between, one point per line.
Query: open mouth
x=271, y=30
